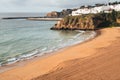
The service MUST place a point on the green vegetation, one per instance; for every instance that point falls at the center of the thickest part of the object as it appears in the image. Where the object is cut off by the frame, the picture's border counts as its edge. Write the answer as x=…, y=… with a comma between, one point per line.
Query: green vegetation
x=75, y=19
x=108, y=19
x=100, y=20
x=89, y=21
x=114, y=3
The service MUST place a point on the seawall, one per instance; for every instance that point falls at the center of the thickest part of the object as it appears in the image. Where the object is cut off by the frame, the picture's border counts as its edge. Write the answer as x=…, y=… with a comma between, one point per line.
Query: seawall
x=45, y=19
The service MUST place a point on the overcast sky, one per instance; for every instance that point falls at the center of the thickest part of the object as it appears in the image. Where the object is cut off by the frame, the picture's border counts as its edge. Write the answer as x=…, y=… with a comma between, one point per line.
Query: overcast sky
x=43, y=5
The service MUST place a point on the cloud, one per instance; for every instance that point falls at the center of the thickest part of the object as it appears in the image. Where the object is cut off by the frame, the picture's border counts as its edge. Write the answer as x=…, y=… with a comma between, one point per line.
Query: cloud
x=43, y=5
x=19, y=2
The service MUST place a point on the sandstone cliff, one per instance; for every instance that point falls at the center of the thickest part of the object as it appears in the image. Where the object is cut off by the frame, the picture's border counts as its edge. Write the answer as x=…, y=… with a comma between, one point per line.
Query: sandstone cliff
x=88, y=22
x=52, y=14
x=75, y=23
x=55, y=14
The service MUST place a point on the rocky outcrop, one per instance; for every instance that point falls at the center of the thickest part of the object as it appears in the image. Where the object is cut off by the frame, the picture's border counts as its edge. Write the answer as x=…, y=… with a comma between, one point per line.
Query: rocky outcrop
x=55, y=14
x=88, y=22
x=75, y=23
x=118, y=20
x=52, y=14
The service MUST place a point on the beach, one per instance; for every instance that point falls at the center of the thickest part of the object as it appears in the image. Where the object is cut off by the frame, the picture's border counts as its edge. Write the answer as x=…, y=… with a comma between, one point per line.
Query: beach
x=96, y=59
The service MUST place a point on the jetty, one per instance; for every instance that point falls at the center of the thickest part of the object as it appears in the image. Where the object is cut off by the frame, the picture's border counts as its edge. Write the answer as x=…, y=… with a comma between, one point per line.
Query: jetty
x=19, y=17
x=35, y=18
x=45, y=19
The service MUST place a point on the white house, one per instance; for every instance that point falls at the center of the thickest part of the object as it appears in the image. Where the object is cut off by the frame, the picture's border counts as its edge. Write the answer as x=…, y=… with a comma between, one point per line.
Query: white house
x=116, y=7
x=87, y=11
x=96, y=10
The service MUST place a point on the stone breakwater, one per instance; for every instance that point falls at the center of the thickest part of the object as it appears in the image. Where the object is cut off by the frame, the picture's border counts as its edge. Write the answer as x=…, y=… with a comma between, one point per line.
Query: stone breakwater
x=45, y=19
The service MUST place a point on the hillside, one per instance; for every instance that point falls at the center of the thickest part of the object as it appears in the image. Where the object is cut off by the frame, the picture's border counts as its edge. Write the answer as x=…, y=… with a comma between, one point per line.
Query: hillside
x=88, y=21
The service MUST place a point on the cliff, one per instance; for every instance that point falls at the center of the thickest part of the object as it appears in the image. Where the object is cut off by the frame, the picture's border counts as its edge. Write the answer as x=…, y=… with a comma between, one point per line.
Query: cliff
x=55, y=14
x=75, y=22
x=52, y=14
x=88, y=22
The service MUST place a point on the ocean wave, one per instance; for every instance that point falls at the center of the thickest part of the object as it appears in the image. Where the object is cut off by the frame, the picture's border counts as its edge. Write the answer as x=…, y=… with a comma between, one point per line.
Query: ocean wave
x=40, y=52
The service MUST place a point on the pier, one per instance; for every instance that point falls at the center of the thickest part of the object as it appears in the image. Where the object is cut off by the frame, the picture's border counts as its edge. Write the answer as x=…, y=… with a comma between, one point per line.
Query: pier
x=35, y=18
x=45, y=19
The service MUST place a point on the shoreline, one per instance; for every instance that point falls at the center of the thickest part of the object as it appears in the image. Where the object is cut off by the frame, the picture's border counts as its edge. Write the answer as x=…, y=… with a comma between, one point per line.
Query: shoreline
x=49, y=63
x=20, y=63
x=103, y=65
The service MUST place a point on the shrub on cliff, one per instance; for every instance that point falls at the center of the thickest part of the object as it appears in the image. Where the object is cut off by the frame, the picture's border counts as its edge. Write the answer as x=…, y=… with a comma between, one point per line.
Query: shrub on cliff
x=107, y=19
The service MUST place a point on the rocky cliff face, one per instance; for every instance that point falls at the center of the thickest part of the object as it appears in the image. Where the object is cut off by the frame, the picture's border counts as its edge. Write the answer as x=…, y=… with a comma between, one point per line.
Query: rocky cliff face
x=87, y=22
x=118, y=20
x=55, y=14
x=75, y=22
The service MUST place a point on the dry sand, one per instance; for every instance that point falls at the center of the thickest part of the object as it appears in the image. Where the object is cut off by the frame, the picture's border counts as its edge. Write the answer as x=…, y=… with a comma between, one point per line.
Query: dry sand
x=97, y=59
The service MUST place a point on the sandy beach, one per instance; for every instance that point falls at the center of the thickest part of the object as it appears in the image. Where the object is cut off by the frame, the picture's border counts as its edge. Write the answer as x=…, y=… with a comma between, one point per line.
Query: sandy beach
x=96, y=59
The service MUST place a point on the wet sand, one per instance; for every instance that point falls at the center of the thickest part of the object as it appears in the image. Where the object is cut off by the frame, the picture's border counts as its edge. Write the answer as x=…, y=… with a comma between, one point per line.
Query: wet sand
x=97, y=59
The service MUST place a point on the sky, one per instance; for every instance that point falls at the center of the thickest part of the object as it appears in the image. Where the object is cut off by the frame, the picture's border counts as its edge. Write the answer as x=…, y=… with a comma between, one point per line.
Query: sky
x=44, y=5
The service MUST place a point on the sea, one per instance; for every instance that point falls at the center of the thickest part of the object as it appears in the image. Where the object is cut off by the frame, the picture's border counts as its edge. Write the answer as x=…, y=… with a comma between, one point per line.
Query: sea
x=22, y=39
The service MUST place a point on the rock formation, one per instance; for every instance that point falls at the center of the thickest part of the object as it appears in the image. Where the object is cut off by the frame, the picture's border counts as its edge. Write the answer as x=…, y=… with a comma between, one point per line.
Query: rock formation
x=52, y=14
x=55, y=14
x=75, y=22
x=88, y=22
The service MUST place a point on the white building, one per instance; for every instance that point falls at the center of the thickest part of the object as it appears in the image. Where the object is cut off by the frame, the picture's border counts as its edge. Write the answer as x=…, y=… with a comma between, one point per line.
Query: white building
x=96, y=10
x=81, y=11
x=116, y=7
